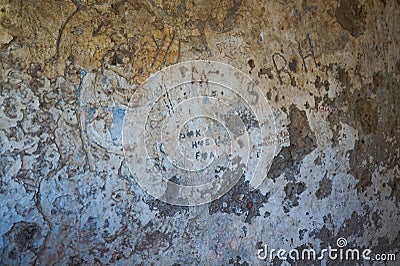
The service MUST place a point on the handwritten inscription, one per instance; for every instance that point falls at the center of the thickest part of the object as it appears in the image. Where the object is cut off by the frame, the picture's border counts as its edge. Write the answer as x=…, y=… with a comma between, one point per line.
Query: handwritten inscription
x=282, y=67
x=325, y=108
x=282, y=138
x=285, y=69
x=201, y=147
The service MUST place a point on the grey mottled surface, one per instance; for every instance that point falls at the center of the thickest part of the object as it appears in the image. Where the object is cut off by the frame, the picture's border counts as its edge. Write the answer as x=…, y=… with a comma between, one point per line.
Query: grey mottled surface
x=329, y=69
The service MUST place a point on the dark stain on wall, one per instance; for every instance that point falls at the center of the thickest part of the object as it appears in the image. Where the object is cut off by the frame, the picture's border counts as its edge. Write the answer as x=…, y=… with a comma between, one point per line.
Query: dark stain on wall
x=351, y=16
x=164, y=209
x=293, y=191
x=229, y=18
x=343, y=77
x=351, y=227
x=302, y=142
x=325, y=188
x=240, y=200
x=25, y=238
x=374, y=111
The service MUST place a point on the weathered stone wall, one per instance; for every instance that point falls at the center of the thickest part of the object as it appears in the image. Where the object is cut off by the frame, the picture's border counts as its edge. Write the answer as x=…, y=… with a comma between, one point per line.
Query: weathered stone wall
x=329, y=69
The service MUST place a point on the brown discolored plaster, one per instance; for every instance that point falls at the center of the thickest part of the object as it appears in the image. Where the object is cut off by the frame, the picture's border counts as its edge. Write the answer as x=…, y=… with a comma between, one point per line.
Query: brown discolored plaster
x=385, y=244
x=319, y=83
x=153, y=240
x=395, y=190
x=367, y=114
x=351, y=16
x=225, y=24
x=302, y=142
x=293, y=64
x=374, y=113
x=351, y=227
x=26, y=238
x=302, y=139
x=325, y=188
x=239, y=200
x=164, y=209
x=397, y=68
x=343, y=77
x=293, y=190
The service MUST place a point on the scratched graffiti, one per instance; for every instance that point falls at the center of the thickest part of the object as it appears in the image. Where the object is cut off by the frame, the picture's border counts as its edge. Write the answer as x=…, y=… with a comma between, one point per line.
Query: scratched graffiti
x=193, y=118
x=283, y=67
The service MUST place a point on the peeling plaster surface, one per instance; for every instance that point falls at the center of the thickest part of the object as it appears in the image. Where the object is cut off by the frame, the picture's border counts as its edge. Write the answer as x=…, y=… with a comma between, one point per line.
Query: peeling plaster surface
x=71, y=70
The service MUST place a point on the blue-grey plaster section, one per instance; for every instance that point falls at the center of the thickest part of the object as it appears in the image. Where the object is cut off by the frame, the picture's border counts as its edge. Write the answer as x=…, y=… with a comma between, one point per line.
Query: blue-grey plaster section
x=117, y=123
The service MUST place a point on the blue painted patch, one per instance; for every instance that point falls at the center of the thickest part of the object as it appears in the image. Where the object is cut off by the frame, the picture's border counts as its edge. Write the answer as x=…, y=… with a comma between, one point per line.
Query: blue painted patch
x=83, y=73
x=91, y=111
x=78, y=92
x=116, y=125
x=104, y=82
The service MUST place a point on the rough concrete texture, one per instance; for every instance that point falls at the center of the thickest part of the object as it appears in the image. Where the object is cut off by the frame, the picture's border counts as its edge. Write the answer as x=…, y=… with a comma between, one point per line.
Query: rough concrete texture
x=330, y=70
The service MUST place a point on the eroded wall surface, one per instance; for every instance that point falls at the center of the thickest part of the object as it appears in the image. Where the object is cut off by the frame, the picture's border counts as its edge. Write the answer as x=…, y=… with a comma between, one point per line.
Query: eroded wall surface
x=329, y=69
